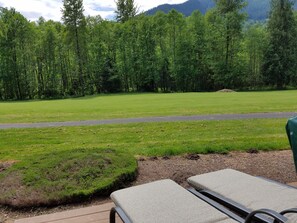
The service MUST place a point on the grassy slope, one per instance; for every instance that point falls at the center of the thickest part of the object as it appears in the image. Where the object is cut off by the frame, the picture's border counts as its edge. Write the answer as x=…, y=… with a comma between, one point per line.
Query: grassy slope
x=46, y=158
x=144, y=105
x=57, y=176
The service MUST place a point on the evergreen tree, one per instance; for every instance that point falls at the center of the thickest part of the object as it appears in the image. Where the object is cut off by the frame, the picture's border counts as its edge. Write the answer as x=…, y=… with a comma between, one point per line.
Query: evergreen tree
x=126, y=9
x=279, y=58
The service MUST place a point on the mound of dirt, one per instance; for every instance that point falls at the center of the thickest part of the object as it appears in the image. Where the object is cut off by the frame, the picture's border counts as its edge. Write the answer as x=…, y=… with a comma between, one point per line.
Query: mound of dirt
x=226, y=91
x=5, y=165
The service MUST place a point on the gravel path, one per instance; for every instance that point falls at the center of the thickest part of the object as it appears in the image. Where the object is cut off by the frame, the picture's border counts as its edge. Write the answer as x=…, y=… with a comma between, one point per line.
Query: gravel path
x=151, y=119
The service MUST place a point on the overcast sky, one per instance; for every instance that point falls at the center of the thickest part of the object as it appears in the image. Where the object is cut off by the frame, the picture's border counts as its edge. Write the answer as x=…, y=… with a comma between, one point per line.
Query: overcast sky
x=51, y=9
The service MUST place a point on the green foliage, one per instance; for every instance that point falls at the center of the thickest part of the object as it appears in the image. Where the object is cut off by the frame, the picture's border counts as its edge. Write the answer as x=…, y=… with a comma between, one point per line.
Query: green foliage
x=160, y=53
x=231, y=18
x=47, y=60
x=73, y=16
x=176, y=25
x=75, y=22
x=147, y=78
x=126, y=9
x=255, y=44
x=280, y=59
x=15, y=49
x=200, y=79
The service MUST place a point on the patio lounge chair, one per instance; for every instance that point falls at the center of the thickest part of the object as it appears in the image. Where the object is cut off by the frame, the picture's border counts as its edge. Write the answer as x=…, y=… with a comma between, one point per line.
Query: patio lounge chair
x=244, y=193
x=166, y=202
x=291, y=129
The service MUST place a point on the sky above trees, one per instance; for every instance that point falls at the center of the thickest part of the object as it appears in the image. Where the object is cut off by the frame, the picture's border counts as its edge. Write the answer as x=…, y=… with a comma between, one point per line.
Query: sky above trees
x=51, y=9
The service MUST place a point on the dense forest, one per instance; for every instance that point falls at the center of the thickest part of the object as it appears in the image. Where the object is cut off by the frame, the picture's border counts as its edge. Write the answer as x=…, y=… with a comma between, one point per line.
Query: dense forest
x=140, y=53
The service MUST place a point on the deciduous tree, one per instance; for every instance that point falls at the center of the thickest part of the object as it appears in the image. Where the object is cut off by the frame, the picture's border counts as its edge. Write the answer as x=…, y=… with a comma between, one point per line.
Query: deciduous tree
x=75, y=22
x=232, y=18
x=280, y=55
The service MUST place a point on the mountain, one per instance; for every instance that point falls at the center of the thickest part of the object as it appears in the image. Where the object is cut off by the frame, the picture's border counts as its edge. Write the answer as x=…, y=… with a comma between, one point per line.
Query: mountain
x=256, y=9
x=186, y=8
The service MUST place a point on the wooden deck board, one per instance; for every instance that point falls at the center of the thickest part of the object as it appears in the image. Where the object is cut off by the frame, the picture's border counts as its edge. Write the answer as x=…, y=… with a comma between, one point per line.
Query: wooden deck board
x=94, y=214
x=294, y=184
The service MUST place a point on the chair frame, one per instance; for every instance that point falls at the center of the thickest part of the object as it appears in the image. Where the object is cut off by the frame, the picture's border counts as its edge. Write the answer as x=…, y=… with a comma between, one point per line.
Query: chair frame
x=121, y=214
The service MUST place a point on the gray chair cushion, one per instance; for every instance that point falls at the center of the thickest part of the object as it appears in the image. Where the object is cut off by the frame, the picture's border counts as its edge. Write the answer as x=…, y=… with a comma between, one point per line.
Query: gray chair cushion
x=292, y=218
x=249, y=191
x=163, y=202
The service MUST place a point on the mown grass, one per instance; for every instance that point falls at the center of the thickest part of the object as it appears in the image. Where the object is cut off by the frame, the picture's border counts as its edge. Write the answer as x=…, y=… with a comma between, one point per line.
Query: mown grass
x=63, y=164
x=148, y=139
x=144, y=105
x=57, y=165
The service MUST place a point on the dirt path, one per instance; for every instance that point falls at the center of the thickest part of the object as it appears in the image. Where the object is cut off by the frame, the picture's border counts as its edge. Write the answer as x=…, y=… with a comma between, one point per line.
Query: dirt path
x=151, y=119
x=276, y=165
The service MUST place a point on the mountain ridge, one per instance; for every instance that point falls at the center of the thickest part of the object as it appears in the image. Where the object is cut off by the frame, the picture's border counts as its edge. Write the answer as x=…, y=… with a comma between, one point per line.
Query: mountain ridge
x=256, y=10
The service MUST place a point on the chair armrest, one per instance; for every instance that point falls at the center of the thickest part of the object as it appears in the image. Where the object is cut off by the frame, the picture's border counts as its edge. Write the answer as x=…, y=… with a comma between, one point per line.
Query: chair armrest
x=291, y=210
x=276, y=216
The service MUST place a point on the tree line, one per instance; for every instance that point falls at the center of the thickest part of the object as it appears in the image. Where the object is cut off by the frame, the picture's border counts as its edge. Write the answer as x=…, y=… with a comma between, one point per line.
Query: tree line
x=139, y=53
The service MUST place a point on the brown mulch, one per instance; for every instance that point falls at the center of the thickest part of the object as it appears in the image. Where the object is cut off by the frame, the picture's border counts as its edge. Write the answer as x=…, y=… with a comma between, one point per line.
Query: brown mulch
x=275, y=165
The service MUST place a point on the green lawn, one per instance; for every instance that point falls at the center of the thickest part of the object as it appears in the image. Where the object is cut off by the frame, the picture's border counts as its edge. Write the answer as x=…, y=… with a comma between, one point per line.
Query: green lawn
x=148, y=139
x=145, y=105
x=63, y=164
x=54, y=165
